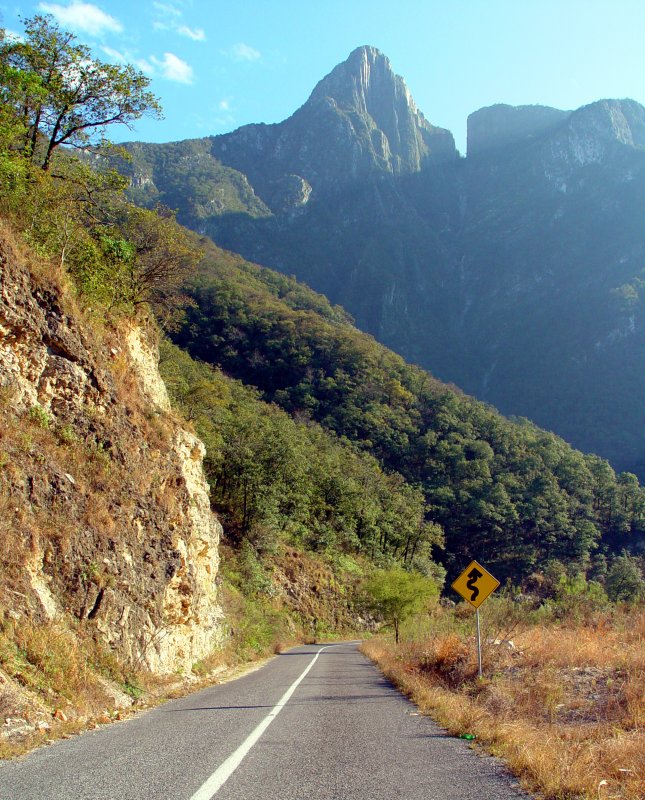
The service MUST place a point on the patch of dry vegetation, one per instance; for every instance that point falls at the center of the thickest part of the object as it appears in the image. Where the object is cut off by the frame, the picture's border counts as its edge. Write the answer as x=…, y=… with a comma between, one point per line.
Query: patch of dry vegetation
x=564, y=704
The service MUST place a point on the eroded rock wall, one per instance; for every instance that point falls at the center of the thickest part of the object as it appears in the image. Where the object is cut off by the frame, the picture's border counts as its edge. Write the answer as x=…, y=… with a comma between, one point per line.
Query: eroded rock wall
x=108, y=518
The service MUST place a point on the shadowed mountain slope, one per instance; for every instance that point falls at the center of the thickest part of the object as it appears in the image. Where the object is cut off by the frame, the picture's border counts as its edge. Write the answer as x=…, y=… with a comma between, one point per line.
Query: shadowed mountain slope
x=516, y=273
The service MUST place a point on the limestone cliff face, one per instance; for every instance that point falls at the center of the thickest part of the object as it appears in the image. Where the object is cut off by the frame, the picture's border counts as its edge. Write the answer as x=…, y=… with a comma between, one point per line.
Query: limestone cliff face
x=365, y=87
x=596, y=134
x=109, y=521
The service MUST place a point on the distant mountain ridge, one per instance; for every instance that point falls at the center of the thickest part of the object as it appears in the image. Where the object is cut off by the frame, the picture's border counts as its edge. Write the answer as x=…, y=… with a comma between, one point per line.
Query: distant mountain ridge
x=502, y=125
x=516, y=272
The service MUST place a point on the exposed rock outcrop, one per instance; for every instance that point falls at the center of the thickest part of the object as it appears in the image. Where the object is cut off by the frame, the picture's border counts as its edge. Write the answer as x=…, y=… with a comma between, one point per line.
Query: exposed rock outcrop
x=110, y=521
x=44, y=357
x=598, y=129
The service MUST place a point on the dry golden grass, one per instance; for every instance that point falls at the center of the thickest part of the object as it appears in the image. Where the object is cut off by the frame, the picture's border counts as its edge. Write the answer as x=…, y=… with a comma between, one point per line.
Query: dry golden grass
x=566, y=708
x=53, y=669
x=62, y=670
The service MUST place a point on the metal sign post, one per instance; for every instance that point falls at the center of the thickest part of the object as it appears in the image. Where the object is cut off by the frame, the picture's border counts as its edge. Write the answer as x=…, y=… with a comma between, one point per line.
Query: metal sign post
x=479, y=645
x=476, y=584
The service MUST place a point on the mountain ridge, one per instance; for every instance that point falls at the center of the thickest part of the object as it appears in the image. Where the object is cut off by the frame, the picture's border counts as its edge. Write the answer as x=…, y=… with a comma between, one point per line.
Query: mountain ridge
x=468, y=266
x=364, y=120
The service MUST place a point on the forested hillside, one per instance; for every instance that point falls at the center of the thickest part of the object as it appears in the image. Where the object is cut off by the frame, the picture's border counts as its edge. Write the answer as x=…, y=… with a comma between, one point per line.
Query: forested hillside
x=515, y=272
x=275, y=479
x=506, y=492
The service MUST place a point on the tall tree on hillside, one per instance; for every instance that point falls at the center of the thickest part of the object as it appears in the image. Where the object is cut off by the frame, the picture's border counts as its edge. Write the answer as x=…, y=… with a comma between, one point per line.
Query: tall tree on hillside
x=61, y=95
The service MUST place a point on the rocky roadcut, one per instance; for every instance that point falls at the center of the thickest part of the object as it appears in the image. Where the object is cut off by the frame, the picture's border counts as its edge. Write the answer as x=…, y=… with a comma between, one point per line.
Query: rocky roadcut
x=106, y=520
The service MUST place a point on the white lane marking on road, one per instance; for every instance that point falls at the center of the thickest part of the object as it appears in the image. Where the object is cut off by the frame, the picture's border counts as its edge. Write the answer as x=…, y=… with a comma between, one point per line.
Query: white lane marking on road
x=228, y=767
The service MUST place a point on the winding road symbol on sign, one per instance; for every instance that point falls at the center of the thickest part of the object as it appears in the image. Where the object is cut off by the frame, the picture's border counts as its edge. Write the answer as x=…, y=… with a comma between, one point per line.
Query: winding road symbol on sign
x=475, y=584
x=473, y=576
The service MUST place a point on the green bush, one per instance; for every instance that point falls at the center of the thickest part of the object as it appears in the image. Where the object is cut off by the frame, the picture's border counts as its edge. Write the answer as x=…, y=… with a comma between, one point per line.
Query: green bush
x=624, y=580
x=39, y=416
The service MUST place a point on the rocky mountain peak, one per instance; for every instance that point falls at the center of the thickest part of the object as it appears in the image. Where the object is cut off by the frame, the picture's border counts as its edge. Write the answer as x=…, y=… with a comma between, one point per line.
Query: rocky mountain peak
x=363, y=81
x=366, y=86
x=360, y=120
x=502, y=125
x=621, y=121
x=596, y=132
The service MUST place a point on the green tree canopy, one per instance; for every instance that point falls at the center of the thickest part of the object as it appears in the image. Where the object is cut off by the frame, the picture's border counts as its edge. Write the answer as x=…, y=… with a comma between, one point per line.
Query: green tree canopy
x=59, y=94
x=395, y=595
x=625, y=579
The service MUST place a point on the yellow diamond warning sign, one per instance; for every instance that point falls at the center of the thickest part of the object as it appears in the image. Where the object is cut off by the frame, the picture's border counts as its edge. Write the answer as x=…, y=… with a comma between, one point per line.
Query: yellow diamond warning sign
x=475, y=584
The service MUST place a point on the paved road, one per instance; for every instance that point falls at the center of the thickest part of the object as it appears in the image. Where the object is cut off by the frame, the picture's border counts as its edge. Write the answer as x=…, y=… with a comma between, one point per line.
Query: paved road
x=313, y=723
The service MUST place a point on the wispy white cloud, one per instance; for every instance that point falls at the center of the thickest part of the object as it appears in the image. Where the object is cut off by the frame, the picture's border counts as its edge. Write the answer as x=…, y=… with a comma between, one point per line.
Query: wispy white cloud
x=218, y=116
x=168, y=18
x=174, y=68
x=166, y=9
x=243, y=52
x=84, y=17
x=222, y=114
x=196, y=34
x=122, y=57
x=115, y=55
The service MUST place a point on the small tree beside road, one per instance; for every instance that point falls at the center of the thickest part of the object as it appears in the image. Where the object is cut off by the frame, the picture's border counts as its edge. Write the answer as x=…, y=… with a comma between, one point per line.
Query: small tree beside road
x=395, y=595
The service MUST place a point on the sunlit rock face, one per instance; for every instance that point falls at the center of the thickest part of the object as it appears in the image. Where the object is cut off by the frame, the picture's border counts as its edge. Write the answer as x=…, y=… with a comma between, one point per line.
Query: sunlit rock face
x=111, y=521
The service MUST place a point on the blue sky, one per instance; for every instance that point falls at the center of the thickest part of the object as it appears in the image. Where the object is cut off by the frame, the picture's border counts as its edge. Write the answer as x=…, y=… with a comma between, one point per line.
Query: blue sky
x=221, y=64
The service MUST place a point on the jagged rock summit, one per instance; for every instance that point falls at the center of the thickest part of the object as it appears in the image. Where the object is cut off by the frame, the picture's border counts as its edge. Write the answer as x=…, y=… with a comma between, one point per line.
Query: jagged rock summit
x=359, y=119
x=365, y=85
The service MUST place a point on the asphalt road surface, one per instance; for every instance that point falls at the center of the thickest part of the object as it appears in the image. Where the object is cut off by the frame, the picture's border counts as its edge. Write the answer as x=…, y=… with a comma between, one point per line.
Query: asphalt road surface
x=319, y=722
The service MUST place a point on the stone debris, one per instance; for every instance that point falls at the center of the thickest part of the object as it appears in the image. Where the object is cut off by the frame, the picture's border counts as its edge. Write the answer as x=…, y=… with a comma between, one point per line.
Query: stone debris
x=15, y=728
x=504, y=644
